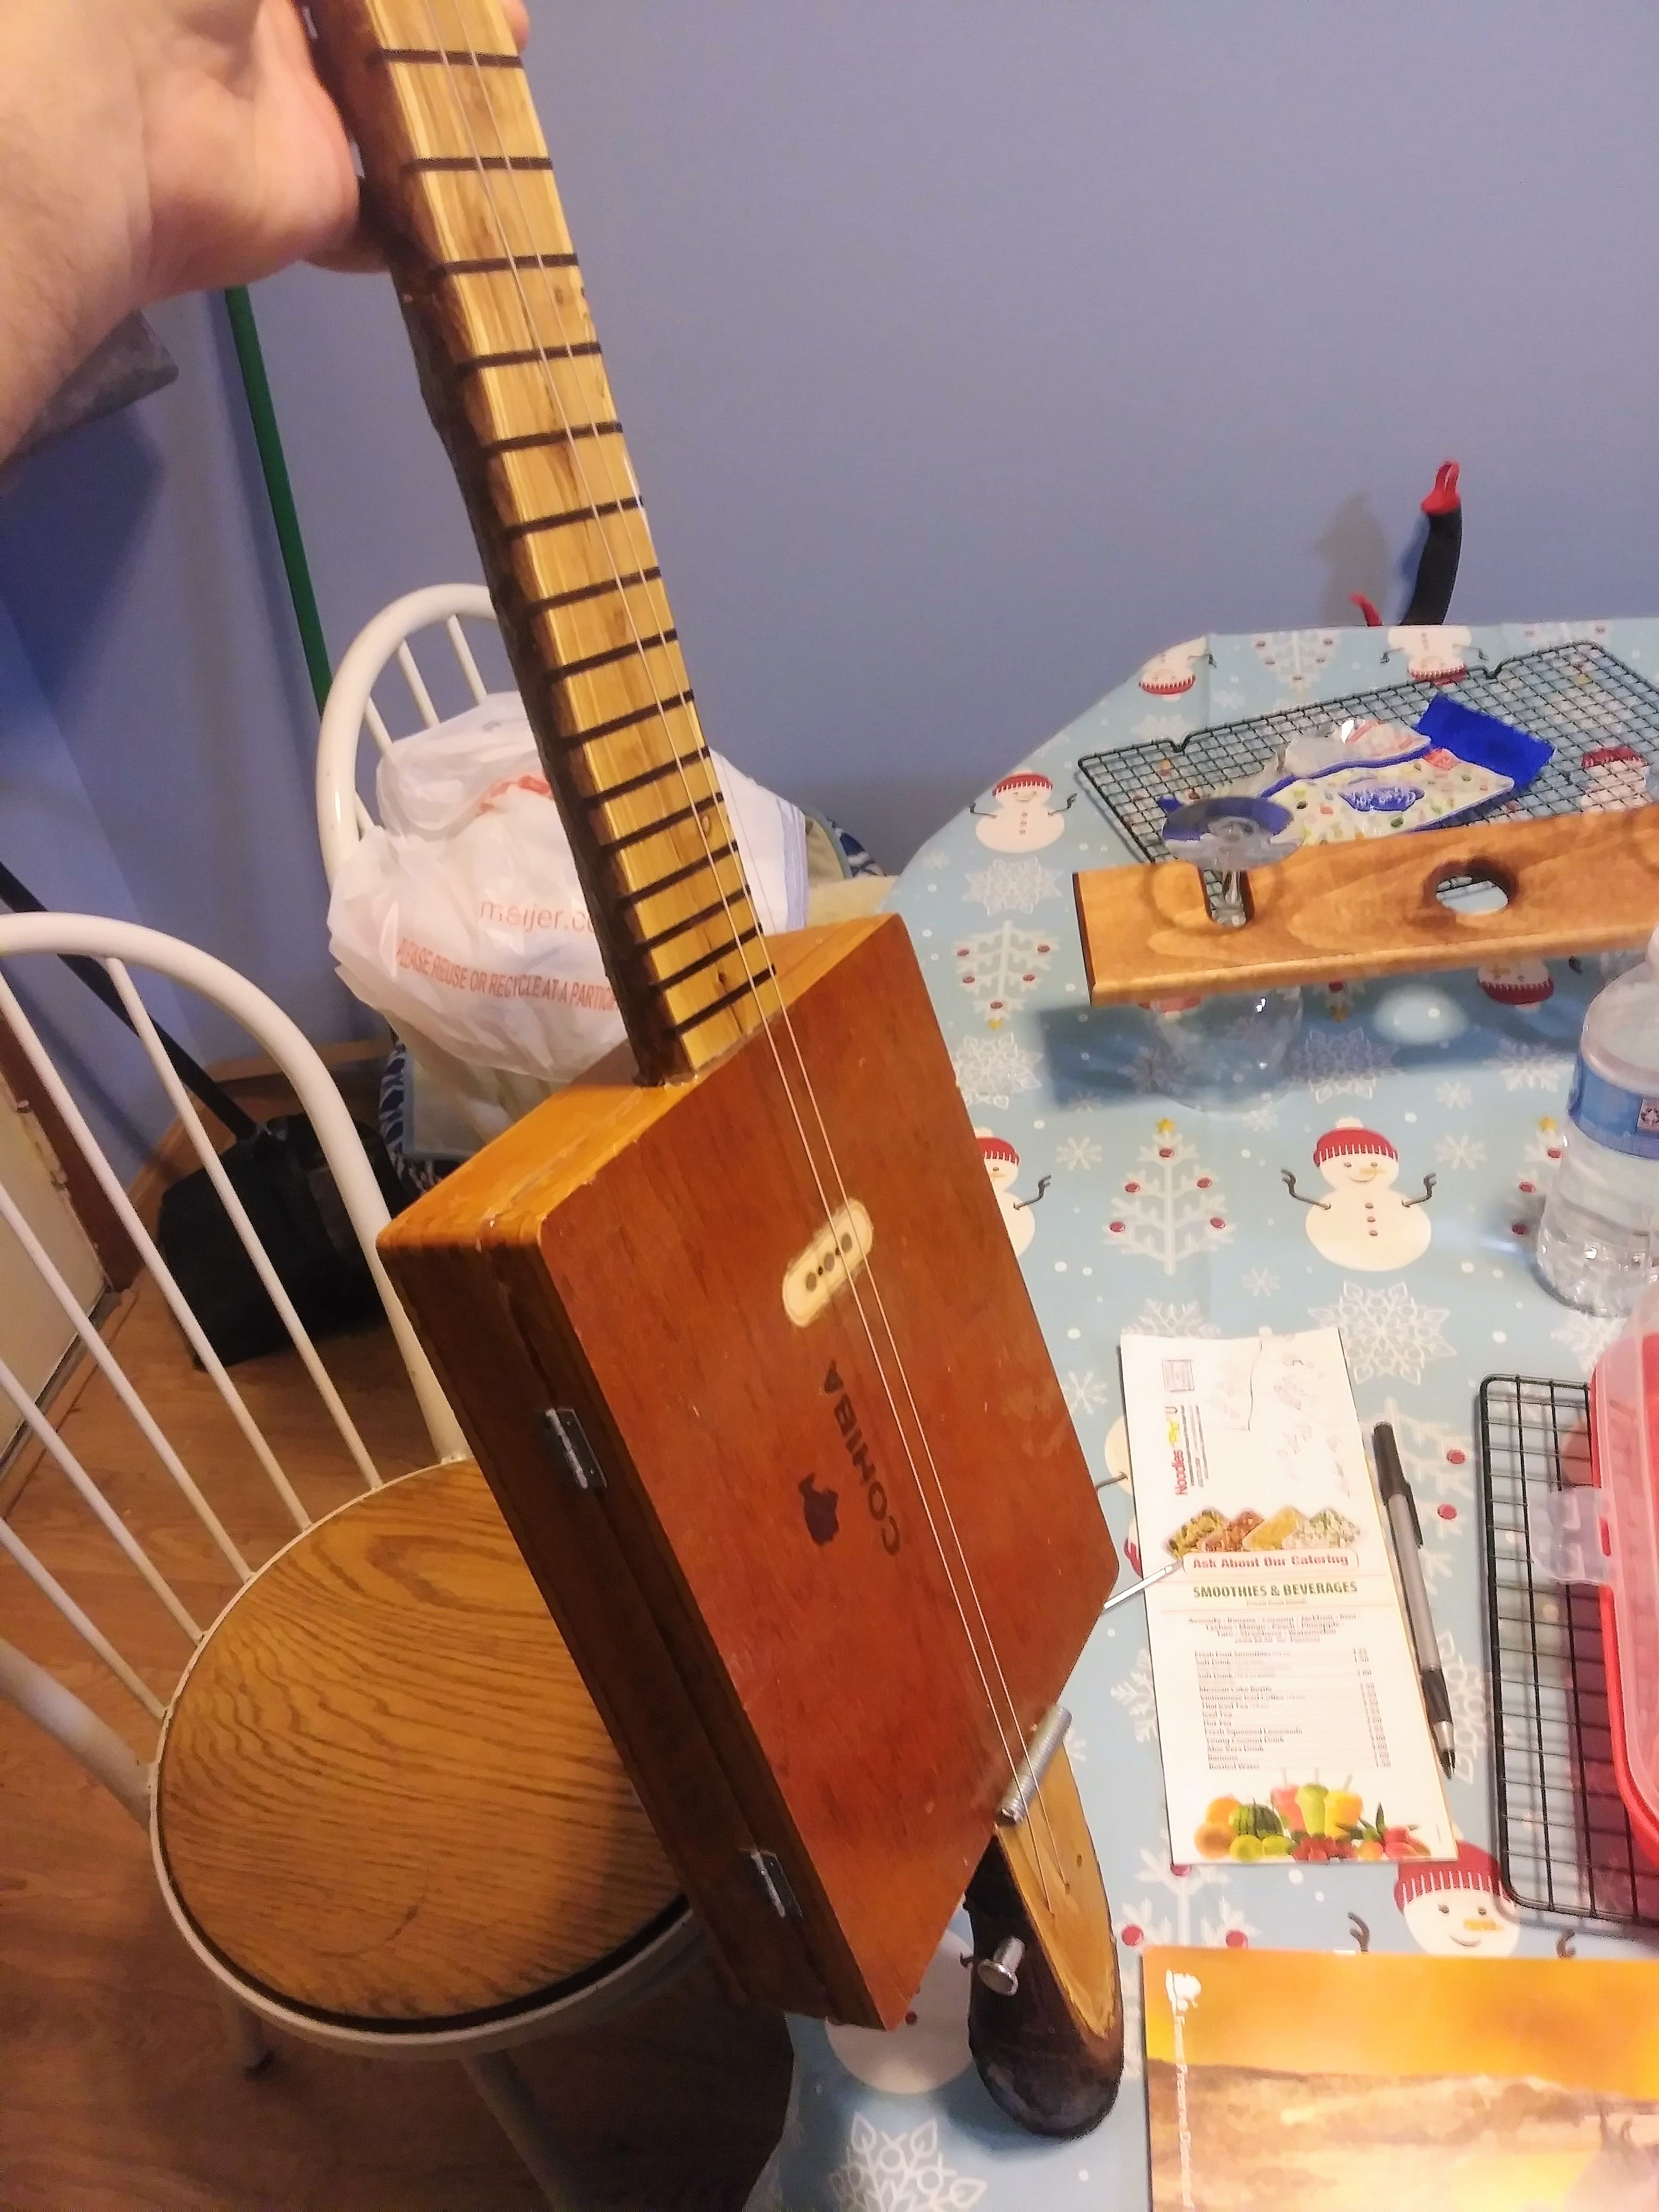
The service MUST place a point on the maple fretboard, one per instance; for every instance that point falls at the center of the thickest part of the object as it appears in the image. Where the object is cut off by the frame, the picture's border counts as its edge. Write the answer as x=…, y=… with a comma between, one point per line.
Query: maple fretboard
x=458, y=182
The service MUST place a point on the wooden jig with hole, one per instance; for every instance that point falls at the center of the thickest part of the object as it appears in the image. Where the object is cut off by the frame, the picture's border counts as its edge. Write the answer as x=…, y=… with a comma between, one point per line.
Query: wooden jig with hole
x=1585, y=883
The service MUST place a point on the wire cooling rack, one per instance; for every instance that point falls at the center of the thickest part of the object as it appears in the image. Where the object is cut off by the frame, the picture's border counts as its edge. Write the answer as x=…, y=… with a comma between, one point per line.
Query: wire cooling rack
x=1578, y=696
x=1563, y=1840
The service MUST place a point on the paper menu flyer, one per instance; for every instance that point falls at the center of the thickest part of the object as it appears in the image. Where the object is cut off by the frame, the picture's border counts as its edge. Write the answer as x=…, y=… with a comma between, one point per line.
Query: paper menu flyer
x=1290, y=1716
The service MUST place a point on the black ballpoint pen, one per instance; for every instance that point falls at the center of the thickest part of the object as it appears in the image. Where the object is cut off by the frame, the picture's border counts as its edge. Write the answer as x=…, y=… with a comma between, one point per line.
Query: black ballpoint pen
x=1407, y=1533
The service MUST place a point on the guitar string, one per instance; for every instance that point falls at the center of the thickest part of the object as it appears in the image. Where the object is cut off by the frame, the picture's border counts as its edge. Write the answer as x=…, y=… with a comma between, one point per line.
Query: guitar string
x=580, y=471
x=752, y=983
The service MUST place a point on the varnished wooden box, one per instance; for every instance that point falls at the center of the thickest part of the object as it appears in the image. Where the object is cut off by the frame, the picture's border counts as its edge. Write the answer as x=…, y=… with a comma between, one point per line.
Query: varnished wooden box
x=832, y=1579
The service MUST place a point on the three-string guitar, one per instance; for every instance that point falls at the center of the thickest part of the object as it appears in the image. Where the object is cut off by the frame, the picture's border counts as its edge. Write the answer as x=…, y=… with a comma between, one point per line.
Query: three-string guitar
x=733, y=1324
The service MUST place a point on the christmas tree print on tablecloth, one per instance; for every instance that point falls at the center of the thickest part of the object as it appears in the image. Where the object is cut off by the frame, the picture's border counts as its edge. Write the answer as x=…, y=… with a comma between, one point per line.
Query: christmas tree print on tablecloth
x=1001, y=967
x=1170, y=1207
x=1171, y=1317
x=1294, y=656
x=1541, y=1155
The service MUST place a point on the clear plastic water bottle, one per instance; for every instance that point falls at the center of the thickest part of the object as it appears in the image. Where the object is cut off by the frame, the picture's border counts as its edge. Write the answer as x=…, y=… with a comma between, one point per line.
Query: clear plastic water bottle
x=1221, y=1052
x=1598, y=1245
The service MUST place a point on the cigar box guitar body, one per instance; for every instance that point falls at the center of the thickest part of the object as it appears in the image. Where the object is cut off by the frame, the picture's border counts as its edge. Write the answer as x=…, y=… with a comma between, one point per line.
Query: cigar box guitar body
x=733, y=1323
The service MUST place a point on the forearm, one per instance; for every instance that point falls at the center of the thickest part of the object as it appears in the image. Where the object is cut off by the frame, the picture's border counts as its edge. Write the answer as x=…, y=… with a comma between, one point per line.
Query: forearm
x=66, y=222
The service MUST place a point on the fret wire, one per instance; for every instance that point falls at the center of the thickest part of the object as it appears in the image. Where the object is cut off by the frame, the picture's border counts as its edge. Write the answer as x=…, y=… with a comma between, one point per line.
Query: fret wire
x=580, y=592
x=750, y=987
x=625, y=721
x=497, y=264
x=574, y=514
x=660, y=826
x=634, y=649
x=530, y=439
x=459, y=164
x=731, y=944
x=527, y=357
x=632, y=897
x=650, y=775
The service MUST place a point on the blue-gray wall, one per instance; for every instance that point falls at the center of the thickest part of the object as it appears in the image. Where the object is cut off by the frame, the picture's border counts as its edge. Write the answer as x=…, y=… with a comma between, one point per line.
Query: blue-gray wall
x=969, y=353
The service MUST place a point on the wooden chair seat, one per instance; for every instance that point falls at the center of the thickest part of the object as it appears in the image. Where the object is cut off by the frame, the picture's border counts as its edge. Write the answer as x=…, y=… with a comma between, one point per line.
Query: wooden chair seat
x=383, y=1796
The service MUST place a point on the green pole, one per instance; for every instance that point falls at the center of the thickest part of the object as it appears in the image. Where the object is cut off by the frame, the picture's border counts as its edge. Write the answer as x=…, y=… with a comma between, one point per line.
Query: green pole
x=251, y=360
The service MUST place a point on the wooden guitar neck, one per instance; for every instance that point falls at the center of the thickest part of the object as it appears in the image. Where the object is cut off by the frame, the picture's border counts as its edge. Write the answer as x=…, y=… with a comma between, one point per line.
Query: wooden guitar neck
x=459, y=186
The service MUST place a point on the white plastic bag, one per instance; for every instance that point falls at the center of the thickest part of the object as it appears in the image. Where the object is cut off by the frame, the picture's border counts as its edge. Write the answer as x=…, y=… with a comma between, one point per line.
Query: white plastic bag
x=460, y=918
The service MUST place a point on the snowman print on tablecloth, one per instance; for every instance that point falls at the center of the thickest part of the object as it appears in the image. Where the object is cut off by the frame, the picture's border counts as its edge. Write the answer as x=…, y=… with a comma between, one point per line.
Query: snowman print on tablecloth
x=930, y=2047
x=1456, y=1909
x=1436, y=653
x=1522, y=983
x=1167, y=675
x=1365, y=1223
x=1024, y=820
x=1615, y=780
x=1002, y=1165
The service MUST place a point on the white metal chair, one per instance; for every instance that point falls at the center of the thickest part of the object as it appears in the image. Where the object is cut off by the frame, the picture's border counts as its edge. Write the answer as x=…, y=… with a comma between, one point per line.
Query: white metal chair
x=333, y=1677
x=341, y=815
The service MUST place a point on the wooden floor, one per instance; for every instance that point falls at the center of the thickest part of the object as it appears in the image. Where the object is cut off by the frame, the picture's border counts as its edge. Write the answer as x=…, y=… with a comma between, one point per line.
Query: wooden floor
x=117, y=2086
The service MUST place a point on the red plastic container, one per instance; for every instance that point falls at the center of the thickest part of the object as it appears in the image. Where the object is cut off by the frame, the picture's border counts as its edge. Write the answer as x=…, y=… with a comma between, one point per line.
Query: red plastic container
x=1625, y=1464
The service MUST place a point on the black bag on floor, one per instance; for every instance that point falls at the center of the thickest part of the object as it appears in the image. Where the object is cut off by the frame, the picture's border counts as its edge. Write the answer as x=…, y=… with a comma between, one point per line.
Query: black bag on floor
x=279, y=1175
x=278, y=1170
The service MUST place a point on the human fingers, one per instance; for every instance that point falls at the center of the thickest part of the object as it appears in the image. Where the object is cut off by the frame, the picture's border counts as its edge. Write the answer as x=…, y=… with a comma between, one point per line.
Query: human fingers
x=358, y=253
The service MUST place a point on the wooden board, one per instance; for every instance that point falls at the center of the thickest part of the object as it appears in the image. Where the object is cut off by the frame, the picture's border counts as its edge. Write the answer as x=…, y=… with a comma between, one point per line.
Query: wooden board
x=782, y=1673
x=1580, y=883
x=383, y=1794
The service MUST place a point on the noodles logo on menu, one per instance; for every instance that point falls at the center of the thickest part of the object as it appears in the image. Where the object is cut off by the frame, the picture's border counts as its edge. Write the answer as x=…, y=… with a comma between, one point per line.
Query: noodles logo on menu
x=1183, y=1433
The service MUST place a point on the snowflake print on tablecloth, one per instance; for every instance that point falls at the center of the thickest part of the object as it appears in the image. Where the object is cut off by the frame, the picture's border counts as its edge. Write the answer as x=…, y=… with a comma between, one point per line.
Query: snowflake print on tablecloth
x=1337, y=1062
x=1470, y=1697
x=1294, y=656
x=991, y=1070
x=1077, y=1153
x=1011, y=886
x=1455, y=1094
x=1586, y=1336
x=1262, y=1117
x=902, y=2173
x=1171, y=1317
x=1386, y=1332
x=1260, y=1282
x=1460, y=1151
x=1532, y=1066
x=1225, y=701
x=1168, y=1207
x=1001, y=967
x=1085, y=1392
x=1134, y=1694
x=939, y=858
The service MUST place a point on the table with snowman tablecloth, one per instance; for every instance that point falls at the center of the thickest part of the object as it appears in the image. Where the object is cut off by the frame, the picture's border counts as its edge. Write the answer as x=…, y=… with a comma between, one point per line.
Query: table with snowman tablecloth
x=1392, y=1188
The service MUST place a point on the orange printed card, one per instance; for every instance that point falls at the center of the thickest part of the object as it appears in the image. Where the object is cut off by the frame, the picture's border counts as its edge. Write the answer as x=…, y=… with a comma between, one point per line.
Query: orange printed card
x=1302, y=2078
